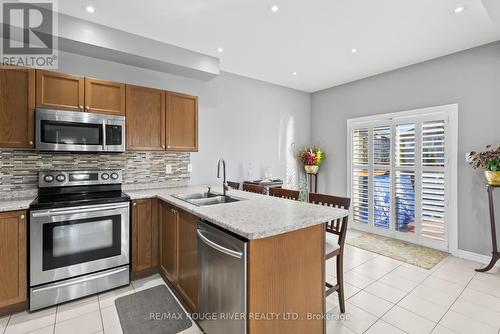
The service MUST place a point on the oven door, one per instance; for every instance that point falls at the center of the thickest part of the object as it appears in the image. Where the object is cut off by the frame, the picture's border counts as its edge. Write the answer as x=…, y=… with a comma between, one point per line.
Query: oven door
x=58, y=130
x=69, y=242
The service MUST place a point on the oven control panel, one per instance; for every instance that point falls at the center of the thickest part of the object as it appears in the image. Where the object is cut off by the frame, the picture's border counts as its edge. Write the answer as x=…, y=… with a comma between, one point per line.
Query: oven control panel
x=78, y=178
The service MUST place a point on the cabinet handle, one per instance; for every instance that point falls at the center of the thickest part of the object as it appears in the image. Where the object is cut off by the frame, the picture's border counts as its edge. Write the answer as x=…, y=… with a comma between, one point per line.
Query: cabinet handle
x=81, y=108
x=31, y=142
x=135, y=203
x=162, y=146
x=87, y=108
x=22, y=217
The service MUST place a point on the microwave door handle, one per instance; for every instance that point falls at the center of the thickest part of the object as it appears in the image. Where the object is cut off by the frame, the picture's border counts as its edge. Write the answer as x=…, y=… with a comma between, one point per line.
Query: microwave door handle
x=104, y=135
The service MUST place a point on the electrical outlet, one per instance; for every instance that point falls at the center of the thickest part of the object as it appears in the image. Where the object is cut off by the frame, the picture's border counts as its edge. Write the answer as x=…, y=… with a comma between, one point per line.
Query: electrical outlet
x=168, y=169
x=190, y=168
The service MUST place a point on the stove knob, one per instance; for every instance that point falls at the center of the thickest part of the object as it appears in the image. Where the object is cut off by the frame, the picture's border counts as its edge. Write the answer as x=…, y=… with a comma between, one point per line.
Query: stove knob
x=104, y=176
x=48, y=178
x=61, y=178
x=114, y=176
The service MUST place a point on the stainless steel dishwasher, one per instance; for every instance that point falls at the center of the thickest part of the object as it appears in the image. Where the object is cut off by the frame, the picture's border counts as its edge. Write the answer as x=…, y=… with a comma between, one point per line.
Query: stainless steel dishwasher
x=222, y=282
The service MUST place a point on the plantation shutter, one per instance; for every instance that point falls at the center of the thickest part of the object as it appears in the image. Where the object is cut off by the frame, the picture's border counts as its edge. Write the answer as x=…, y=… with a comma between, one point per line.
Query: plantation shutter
x=433, y=180
x=360, y=176
x=398, y=177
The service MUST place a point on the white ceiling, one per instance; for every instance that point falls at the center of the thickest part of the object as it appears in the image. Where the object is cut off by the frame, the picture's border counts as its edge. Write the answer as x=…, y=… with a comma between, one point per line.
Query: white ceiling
x=312, y=37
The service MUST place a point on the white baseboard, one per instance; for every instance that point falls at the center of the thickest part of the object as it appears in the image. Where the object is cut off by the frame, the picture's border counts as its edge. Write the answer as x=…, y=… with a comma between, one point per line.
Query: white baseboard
x=474, y=257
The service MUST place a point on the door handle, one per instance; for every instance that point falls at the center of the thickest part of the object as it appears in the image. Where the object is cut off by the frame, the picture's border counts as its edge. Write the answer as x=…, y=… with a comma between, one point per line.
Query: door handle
x=103, y=135
x=218, y=247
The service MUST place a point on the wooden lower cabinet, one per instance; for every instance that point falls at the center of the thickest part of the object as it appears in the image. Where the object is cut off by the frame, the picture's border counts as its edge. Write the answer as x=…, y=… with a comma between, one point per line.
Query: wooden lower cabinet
x=168, y=242
x=144, y=234
x=284, y=278
x=188, y=258
x=179, y=251
x=13, y=259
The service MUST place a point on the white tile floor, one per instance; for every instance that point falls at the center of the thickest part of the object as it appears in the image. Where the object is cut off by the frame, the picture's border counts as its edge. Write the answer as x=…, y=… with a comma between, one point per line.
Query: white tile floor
x=383, y=296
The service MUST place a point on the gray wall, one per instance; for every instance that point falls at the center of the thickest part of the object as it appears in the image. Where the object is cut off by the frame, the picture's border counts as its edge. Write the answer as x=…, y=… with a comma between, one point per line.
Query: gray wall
x=470, y=78
x=243, y=120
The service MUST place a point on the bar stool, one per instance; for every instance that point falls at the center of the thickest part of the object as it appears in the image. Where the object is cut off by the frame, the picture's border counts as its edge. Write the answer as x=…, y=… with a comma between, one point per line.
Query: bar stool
x=335, y=240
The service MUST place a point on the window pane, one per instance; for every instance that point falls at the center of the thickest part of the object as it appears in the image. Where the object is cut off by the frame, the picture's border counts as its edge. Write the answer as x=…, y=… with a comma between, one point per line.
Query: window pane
x=360, y=195
x=433, y=143
x=433, y=205
x=382, y=145
x=405, y=145
x=405, y=201
x=382, y=198
x=360, y=147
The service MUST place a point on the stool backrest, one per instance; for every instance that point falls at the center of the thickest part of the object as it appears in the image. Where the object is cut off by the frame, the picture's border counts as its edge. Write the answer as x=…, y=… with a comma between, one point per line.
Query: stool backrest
x=284, y=193
x=337, y=226
x=253, y=188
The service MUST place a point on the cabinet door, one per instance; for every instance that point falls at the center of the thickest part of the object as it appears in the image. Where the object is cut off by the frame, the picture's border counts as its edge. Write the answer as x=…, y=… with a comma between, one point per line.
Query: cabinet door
x=145, y=111
x=13, y=276
x=17, y=107
x=105, y=97
x=168, y=242
x=59, y=91
x=182, y=122
x=141, y=235
x=188, y=258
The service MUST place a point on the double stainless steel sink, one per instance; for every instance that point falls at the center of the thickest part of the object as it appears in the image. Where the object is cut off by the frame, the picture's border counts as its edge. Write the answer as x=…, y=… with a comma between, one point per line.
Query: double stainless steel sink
x=206, y=198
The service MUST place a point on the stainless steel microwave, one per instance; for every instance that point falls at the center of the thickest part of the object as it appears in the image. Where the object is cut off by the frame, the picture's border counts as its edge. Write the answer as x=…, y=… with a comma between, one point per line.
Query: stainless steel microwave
x=58, y=130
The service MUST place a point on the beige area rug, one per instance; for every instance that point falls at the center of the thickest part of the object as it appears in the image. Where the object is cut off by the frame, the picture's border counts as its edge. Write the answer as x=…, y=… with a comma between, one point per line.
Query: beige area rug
x=416, y=255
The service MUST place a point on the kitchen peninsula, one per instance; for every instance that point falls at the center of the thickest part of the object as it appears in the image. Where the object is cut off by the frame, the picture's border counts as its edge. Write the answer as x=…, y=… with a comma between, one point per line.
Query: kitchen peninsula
x=285, y=268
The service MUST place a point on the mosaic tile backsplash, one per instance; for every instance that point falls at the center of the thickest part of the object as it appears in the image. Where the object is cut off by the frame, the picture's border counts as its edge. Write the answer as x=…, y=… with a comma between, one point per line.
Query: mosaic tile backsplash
x=19, y=168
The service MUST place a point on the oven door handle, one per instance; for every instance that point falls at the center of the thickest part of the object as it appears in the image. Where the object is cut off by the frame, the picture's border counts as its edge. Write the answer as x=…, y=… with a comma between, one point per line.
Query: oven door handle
x=59, y=212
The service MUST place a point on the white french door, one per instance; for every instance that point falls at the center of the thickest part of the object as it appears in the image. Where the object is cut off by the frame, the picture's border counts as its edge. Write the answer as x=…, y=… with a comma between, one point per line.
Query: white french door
x=400, y=175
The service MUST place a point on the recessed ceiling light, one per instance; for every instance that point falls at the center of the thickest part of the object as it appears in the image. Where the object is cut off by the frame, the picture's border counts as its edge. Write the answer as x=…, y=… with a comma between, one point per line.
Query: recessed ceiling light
x=274, y=8
x=459, y=9
x=220, y=50
x=354, y=50
x=294, y=73
x=90, y=9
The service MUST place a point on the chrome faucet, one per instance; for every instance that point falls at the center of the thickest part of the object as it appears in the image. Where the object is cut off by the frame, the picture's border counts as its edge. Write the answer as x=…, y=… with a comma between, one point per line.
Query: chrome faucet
x=224, y=183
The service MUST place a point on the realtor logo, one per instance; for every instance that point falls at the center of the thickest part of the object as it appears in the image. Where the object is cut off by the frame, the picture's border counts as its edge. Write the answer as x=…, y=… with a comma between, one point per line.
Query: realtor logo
x=29, y=33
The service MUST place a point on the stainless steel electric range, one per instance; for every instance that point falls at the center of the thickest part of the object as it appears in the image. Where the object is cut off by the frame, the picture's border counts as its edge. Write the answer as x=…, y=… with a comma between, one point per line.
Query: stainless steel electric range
x=78, y=236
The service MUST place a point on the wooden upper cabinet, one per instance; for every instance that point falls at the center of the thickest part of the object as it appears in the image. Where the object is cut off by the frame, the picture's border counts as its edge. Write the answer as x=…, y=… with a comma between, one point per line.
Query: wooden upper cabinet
x=17, y=107
x=145, y=121
x=188, y=257
x=168, y=241
x=105, y=97
x=13, y=258
x=61, y=91
x=182, y=122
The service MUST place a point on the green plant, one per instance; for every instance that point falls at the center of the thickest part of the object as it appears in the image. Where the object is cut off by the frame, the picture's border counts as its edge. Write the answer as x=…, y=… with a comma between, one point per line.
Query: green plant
x=488, y=160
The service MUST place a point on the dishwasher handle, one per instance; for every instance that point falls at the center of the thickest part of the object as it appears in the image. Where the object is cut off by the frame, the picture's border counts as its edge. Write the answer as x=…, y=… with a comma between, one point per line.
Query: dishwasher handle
x=218, y=247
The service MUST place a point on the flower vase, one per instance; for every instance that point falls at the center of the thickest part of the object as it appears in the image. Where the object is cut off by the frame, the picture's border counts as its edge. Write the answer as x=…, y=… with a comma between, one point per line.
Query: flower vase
x=311, y=169
x=492, y=177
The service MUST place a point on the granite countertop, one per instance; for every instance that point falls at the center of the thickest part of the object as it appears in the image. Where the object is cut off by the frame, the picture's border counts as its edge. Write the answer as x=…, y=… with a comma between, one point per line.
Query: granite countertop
x=13, y=204
x=254, y=217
